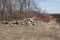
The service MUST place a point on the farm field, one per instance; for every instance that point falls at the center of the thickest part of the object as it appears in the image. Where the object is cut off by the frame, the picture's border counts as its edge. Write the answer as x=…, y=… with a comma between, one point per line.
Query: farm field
x=41, y=31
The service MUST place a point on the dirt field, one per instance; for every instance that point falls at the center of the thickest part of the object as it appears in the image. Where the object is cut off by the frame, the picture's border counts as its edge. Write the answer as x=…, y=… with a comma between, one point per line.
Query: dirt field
x=42, y=31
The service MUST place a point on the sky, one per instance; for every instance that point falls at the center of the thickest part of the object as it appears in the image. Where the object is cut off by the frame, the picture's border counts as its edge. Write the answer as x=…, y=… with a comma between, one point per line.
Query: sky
x=51, y=6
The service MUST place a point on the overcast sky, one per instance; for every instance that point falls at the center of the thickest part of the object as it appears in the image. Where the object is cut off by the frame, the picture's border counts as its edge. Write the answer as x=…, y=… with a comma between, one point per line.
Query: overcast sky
x=51, y=6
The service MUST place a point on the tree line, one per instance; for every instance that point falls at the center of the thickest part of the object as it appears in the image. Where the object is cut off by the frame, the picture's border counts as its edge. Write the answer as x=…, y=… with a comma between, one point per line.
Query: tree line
x=16, y=9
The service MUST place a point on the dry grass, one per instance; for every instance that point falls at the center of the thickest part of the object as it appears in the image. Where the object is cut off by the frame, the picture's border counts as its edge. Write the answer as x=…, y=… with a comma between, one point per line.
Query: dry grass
x=44, y=31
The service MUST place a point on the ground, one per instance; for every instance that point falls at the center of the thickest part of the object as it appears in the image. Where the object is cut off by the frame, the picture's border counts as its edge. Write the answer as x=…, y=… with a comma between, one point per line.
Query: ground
x=42, y=31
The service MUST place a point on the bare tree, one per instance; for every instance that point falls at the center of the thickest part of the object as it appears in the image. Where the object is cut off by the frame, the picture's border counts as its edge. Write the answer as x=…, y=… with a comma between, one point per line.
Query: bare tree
x=2, y=10
x=8, y=8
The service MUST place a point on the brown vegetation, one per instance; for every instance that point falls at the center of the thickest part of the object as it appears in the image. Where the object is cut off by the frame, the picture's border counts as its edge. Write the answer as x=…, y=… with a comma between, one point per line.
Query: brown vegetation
x=42, y=31
x=46, y=29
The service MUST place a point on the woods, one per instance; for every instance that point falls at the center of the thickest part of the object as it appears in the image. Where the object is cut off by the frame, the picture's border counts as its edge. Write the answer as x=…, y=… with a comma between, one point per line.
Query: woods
x=16, y=9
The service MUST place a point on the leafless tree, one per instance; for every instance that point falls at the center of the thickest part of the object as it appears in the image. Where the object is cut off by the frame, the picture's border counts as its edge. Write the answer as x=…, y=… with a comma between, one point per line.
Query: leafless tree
x=8, y=8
